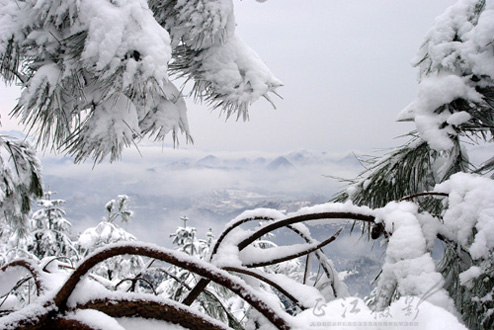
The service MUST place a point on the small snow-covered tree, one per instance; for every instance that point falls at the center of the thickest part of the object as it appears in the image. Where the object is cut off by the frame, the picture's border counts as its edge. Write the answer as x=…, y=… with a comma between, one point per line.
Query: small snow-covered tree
x=108, y=232
x=454, y=109
x=95, y=75
x=49, y=230
x=178, y=282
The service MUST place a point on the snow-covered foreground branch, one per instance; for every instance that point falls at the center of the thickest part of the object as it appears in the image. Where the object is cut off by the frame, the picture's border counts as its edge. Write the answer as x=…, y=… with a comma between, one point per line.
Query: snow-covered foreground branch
x=409, y=293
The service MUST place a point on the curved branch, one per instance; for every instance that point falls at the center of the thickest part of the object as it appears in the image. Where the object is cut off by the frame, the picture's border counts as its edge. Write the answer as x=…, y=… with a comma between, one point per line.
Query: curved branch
x=423, y=194
x=177, y=259
x=134, y=280
x=230, y=228
x=306, y=217
x=61, y=265
x=318, y=253
x=185, y=285
x=269, y=282
x=310, y=249
x=30, y=267
x=158, y=310
x=201, y=285
x=62, y=323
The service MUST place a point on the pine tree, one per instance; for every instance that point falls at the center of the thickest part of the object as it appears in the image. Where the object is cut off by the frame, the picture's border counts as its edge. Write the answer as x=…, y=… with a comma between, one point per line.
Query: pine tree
x=454, y=109
x=95, y=75
x=50, y=230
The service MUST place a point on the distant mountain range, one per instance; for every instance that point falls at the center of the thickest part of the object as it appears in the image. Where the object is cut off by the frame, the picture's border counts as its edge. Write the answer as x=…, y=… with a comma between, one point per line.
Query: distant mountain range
x=212, y=187
x=291, y=160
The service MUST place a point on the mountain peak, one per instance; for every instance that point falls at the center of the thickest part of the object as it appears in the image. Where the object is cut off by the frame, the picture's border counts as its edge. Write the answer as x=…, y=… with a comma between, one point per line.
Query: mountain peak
x=279, y=163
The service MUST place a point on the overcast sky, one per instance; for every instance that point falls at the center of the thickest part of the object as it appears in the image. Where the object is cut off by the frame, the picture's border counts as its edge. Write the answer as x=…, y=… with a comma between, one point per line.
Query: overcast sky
x=345, y=65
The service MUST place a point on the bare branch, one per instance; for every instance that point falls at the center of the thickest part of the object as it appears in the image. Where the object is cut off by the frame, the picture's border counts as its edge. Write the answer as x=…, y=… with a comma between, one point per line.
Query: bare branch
x=134, y=281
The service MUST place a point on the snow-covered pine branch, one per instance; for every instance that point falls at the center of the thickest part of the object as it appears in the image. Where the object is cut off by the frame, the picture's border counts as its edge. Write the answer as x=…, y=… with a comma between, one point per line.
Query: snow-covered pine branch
x=20, y=184
x=95, y=74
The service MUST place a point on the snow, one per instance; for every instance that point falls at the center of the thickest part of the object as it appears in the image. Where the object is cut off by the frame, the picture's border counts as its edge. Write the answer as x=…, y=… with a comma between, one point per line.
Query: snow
x=237, y=73
x=104, y=233
x=254, y=255
x=130, y=323
x=260, y=212
x=95, y=319
x=117, y=28
x=408, y=264
x=353, y=313
x=30, y=312
x=470, y=206
x=434, y=91
x=203, y=24
x=10, y=278
x=469, y=275
x=456, y=58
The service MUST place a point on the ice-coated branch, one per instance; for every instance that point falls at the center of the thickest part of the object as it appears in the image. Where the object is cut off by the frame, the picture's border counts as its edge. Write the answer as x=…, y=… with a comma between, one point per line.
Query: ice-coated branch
x=167, y=273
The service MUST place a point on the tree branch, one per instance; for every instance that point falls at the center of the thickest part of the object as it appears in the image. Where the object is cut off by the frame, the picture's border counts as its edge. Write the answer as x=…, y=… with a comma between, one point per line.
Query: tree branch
x=271, y=227
x=230, y=228
x=157, y=310
x=306, y=217
x=177, y=259
x=310, y=249
x=269, y=282
x=423, y=194
x=30, y=267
